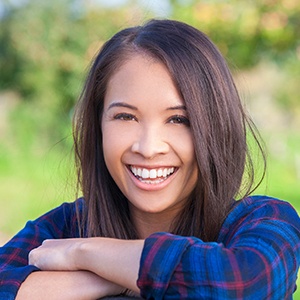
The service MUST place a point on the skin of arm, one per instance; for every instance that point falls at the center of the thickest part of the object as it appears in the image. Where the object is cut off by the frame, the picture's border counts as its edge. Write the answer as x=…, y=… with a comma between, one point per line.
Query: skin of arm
x=113, y=259
x=79, y=285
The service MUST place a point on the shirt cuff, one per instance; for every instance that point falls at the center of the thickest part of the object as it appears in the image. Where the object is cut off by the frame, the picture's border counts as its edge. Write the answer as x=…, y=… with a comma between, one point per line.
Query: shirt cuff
x=161, y=255
x=11, y=280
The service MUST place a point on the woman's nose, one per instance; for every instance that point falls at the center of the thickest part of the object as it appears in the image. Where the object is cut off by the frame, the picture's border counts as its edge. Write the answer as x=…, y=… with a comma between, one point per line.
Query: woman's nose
x=150, y=143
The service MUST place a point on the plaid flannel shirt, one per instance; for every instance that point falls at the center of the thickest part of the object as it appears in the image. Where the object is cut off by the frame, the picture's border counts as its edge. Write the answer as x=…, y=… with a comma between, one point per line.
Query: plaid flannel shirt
x=256, y=255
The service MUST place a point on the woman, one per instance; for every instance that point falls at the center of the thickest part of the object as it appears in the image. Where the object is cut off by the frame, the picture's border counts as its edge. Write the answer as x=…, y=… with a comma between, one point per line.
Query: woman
x=160, y=143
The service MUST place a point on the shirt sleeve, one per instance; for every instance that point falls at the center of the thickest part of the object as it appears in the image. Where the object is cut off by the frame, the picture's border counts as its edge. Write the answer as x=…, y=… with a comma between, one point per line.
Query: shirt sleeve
x=14, y=266
x=256, y=257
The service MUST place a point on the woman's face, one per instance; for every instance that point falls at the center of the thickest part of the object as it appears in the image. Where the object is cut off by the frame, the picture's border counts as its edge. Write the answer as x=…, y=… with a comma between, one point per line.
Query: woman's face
x=147, y=142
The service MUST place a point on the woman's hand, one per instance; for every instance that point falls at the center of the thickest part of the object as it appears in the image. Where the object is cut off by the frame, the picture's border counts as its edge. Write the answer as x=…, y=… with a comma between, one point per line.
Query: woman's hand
x=55, y=255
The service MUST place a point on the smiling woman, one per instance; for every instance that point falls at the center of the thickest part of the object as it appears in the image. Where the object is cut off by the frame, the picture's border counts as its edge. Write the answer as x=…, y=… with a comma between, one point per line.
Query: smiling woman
x=166, y=175
x=145, y=133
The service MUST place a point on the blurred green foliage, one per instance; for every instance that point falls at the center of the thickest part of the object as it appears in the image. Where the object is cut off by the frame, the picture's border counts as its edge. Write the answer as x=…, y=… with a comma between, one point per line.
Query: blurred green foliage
x=47, y=46
x=247, y=31
x=45, y=51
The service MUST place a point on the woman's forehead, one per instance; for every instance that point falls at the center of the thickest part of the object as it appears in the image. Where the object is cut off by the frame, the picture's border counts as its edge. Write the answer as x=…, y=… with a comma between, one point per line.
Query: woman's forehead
x=143, y=80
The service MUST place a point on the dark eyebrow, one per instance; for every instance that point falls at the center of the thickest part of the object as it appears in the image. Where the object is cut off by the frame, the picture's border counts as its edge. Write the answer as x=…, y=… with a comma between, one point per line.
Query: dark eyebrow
x=178, y=107
x=124, y=104
x=121, y=104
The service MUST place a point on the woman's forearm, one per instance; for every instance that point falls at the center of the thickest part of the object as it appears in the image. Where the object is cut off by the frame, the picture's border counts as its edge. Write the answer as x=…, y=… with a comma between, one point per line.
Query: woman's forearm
x=115, y=260
x=73, y=285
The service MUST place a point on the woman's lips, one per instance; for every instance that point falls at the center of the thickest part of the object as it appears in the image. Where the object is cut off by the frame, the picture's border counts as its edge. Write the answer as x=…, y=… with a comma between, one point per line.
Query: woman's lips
x=152, y=176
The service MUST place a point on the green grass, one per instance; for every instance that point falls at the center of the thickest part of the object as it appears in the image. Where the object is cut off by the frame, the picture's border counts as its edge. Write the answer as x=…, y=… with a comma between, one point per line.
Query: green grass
x=31, y=186
x=283, y=168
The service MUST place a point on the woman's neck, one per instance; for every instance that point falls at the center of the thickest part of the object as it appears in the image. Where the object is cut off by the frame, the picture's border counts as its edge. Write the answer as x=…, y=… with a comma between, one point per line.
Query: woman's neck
x=149, y=223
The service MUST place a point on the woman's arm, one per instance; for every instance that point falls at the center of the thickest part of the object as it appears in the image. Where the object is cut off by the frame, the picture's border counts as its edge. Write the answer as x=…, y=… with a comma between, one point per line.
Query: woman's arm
x=117, y=261
x=113, y=259
x=79, y=285
x=59, y=223
x=256, y=257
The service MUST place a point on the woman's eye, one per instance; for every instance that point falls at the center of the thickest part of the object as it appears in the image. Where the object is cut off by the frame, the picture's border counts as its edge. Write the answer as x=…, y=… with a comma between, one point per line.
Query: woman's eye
x=125, y=117
x=179, y=120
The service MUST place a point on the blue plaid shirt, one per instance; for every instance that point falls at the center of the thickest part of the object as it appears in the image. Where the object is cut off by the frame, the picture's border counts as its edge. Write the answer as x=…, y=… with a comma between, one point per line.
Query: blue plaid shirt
x=256, y=255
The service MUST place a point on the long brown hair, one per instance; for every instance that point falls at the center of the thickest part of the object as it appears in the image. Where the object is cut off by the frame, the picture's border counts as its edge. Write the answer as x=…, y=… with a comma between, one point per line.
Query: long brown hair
x=219, y=127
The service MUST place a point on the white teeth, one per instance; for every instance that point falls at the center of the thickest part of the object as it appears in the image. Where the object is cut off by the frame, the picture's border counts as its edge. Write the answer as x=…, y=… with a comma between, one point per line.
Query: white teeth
x=138, y=172
x=152, y=173
x=134, y=170
x=153, y=181
x=171, y=170
x=145, y=173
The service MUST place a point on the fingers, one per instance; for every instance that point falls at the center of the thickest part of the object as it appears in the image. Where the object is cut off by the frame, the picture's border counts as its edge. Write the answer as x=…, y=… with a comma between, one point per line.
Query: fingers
x=51, y=255
x=55, y=255
x=33, y=256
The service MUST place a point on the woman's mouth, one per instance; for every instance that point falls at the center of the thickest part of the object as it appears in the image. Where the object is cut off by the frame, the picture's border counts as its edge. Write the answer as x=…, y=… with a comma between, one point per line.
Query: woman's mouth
x=152, y=176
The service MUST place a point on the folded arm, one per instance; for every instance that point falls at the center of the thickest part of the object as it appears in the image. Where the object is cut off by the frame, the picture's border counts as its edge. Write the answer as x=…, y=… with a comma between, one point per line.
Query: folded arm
x=79, y=285
x=115, y=260
x=256, y=257
x=27, y=282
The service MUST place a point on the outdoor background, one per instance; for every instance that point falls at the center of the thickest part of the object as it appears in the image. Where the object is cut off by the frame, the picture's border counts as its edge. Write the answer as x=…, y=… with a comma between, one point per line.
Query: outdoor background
x=45, y=51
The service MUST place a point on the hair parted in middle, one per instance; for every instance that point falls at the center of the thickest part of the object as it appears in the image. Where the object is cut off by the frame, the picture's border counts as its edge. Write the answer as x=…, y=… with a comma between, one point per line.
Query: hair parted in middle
x=218, y=123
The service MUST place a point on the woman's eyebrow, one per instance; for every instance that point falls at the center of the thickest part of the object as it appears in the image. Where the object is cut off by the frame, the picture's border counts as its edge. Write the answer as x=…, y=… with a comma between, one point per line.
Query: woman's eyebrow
x=177, y=107
x=121, y=104
x=124, y=104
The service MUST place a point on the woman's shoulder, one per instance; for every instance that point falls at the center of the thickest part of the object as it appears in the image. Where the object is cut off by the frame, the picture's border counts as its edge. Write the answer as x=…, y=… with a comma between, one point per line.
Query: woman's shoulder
x=265, y=206
x=259, y=209
x=63, y=218
x=66, y=209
